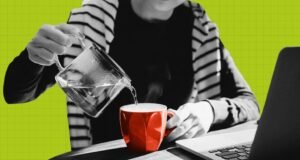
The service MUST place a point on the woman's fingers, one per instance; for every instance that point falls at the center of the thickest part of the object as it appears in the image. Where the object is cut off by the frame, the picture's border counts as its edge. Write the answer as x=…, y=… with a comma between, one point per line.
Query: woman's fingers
x=56, y=35
x=195, y=131
x=199, y=133
x=68, y=29
x=42, y=42
x=181, y=129
x=44, y=57
x=178, y=117
x=51, y=40
x=188, y=125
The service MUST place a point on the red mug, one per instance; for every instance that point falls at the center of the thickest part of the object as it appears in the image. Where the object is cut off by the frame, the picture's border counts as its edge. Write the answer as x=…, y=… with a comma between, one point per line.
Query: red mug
x=143, y=126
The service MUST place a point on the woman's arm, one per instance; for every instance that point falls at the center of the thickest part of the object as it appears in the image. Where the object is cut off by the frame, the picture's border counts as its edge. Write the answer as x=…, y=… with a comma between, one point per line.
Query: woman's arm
x=238, y=104
x=25, y=80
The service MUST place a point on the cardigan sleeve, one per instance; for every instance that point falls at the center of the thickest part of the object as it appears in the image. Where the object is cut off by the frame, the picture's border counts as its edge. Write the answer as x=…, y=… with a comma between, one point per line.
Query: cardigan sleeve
x=25, y=80
x=237, y=103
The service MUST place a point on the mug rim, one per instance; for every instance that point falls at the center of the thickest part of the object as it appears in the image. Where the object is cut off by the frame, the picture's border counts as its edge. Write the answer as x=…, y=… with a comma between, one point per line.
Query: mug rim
x=160, y=107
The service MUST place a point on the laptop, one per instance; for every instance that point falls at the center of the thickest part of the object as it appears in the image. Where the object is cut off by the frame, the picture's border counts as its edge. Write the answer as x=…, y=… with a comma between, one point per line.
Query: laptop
x=278, y=132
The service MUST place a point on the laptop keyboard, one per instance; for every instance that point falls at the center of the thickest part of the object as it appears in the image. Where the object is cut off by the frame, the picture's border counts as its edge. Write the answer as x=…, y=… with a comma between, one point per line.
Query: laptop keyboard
x=240, y=152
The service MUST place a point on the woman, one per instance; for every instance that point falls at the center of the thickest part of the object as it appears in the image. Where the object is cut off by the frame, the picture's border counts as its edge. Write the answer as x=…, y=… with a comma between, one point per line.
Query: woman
x=170, y=50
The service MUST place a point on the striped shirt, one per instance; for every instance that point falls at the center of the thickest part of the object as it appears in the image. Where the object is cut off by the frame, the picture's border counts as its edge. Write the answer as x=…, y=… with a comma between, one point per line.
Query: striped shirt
x=216, y=78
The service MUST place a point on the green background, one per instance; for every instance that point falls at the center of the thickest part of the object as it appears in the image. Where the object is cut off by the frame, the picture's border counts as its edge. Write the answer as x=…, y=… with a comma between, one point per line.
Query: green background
x=254, y=31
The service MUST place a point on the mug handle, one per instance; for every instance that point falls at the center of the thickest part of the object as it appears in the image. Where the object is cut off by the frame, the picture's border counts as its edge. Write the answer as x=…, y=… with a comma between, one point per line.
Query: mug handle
x=80, y=38
x=170, y=114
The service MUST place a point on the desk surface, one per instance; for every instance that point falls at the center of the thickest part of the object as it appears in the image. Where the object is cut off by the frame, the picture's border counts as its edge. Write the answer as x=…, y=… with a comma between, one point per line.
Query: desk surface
x=117, y=149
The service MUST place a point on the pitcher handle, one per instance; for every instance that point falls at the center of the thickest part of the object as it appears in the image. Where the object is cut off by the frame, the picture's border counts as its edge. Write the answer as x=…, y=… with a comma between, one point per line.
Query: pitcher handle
x=80, y=37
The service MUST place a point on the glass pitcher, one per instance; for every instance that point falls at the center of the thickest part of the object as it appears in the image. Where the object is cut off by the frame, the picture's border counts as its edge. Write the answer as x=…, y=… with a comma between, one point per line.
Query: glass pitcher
x=92, y=80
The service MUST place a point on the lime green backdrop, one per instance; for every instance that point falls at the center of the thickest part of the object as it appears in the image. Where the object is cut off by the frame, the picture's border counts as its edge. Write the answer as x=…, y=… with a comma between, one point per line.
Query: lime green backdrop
x=254, y=31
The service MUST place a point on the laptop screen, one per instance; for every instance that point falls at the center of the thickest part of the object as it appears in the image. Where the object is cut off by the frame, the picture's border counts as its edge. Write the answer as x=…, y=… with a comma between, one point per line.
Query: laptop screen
x=278, y=133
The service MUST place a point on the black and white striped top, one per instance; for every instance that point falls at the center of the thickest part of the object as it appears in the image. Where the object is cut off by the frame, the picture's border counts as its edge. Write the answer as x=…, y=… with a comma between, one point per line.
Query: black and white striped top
x=216, y=78
x=96, y=20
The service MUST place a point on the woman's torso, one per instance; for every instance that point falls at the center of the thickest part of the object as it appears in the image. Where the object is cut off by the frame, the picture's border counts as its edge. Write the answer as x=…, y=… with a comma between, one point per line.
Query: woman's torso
x=149, y=52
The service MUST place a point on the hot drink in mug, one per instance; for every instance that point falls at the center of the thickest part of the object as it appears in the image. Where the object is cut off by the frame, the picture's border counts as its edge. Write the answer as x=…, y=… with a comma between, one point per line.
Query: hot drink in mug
x=143, y=126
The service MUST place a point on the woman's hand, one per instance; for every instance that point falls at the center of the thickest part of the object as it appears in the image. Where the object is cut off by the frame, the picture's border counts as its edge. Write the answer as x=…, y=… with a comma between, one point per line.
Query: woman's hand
x=190, y=120
x=50, y=40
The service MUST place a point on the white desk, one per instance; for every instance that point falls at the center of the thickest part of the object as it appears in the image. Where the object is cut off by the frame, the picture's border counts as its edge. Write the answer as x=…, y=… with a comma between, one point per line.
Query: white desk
x=117, y=149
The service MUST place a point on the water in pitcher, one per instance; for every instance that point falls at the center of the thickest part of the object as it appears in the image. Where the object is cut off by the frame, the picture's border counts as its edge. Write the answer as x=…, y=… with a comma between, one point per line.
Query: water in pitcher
x=94, y=98
x=93, y=79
